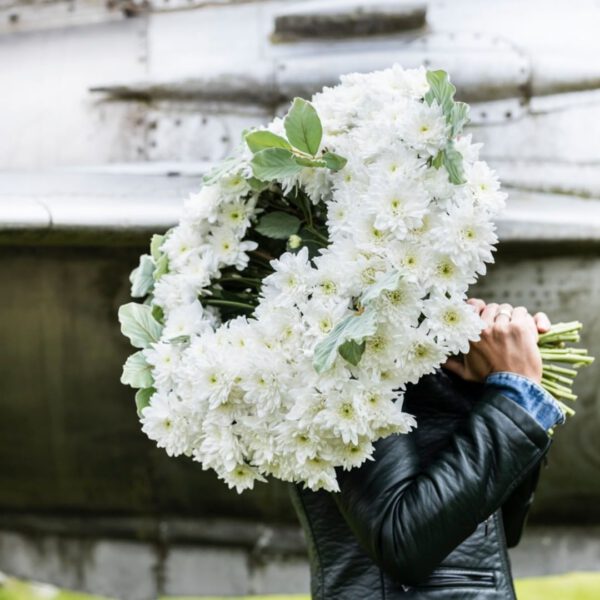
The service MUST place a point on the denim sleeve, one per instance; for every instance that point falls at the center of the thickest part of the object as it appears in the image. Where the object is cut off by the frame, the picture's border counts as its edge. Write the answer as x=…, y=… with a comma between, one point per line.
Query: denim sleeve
x=530, y=396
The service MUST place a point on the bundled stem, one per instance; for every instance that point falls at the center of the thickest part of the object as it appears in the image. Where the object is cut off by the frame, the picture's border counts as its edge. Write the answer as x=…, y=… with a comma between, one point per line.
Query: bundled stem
x=558, y=380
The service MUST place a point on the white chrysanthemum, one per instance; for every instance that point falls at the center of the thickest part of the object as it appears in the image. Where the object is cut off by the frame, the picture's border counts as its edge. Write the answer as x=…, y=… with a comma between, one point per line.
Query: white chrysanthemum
x=174, y=290
x=164, y=359
x=187, y=321
x=201, y=208
x=226, y=248
x=398, y=205
x=453, y=322
x=164, y=422
x=289, y=279
x=425, y=128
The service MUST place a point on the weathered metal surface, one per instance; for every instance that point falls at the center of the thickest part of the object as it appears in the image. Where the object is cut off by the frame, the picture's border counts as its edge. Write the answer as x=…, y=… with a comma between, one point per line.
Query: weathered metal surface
x=347, y=19
x=33, y=15
x=168, y=65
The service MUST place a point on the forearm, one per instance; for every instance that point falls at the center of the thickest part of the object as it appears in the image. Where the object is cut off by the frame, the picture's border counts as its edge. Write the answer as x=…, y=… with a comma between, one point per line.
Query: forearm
x=409, y=518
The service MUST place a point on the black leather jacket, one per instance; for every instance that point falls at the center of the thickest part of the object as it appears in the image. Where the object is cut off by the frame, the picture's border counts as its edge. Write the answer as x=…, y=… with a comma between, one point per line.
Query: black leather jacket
x=431, y=517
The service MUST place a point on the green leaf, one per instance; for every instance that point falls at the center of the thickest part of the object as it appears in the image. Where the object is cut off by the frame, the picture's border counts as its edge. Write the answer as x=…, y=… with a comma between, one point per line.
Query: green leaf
x=226, y=167
x=158, y=313
x=137, y=372
x=142, y=399
x=141, y=278
x=354, y=327
x=162, y=267
x=388, y=282
x=440, y=90
x=155, y=244
x=138, y=324
x=438, y=160
x=352, y=351
x=256, y=184
x=334, y=161
x=278, y=225
x=459, y=116
x=259, y=140
x=303, y=127
x=274, y=163
x=453, y=161
x=310, y=162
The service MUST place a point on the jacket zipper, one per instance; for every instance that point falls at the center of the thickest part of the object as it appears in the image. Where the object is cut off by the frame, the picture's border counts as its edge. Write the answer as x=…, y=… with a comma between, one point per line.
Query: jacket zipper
x=448, y=577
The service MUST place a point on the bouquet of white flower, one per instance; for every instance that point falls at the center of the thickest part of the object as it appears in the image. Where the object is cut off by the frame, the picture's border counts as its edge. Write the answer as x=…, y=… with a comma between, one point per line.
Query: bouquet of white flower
x=317, y=272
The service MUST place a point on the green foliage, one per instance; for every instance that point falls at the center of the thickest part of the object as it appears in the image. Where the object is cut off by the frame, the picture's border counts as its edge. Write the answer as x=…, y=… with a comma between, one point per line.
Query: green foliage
x=226, y=167
x=278, y=225
x=303, y=127
x=142, y=399
x=263, y=139
x=453, y=162
x=274, y=163
x=389, y=282
x=334, y=161
x=310, y=162
x=354, y=327
x=352, y=351
x=458, y=118
x=155, y=243
x=141, y=278
x=137, y=372
x=162, y=267
x=440, y=91
x=138, y=324
x=457, y=115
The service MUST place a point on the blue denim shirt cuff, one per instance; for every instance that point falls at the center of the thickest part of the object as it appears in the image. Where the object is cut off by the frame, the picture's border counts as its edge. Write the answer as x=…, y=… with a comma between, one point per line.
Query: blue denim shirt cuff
x=528, y=395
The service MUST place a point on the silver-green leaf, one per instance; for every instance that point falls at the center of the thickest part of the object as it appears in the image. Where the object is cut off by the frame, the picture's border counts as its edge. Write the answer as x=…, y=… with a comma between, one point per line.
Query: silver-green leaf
x=453, y=162
x=155, y=244
x=137, y=372
x=141, y=277
x=388, y=282
x=334, y=161
x=226, y=167
x=303, y=127
x=138, y=324
x=274, y=163
x=262, y=139
x=355, y=327
x=440, y=90
x=142, y=399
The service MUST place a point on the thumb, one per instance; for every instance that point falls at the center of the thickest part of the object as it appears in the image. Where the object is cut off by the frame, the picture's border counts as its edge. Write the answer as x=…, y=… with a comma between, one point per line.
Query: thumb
x=455, y=365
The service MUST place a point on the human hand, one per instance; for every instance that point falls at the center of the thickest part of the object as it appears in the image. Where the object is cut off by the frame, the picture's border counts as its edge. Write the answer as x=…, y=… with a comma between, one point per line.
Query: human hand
x=508, y=343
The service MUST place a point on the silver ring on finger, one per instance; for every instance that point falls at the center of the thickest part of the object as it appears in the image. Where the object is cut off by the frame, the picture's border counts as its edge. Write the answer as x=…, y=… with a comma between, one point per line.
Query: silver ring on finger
x=504, y=312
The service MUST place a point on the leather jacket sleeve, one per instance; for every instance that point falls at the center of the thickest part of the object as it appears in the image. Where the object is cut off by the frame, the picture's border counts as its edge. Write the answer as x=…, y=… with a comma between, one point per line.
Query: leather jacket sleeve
x=409, y=518
x=517, y=505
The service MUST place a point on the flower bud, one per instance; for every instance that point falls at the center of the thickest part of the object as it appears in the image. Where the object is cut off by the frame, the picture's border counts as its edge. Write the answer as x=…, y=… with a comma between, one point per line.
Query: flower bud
x=294, y=242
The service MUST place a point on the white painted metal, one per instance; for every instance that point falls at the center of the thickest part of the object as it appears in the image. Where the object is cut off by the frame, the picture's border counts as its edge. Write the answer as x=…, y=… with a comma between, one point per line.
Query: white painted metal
x=175, y=64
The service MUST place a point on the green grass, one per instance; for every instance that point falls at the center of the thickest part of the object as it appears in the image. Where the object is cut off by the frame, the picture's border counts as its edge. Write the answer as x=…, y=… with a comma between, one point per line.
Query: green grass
x=573, y=586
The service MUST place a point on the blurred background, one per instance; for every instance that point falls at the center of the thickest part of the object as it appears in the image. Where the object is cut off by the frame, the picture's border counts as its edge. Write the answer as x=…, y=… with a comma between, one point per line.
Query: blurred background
x=110, y=112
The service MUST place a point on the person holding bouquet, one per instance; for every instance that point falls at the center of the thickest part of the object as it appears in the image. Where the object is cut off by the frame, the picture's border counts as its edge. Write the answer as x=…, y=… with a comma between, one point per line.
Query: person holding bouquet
x=432, y=515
